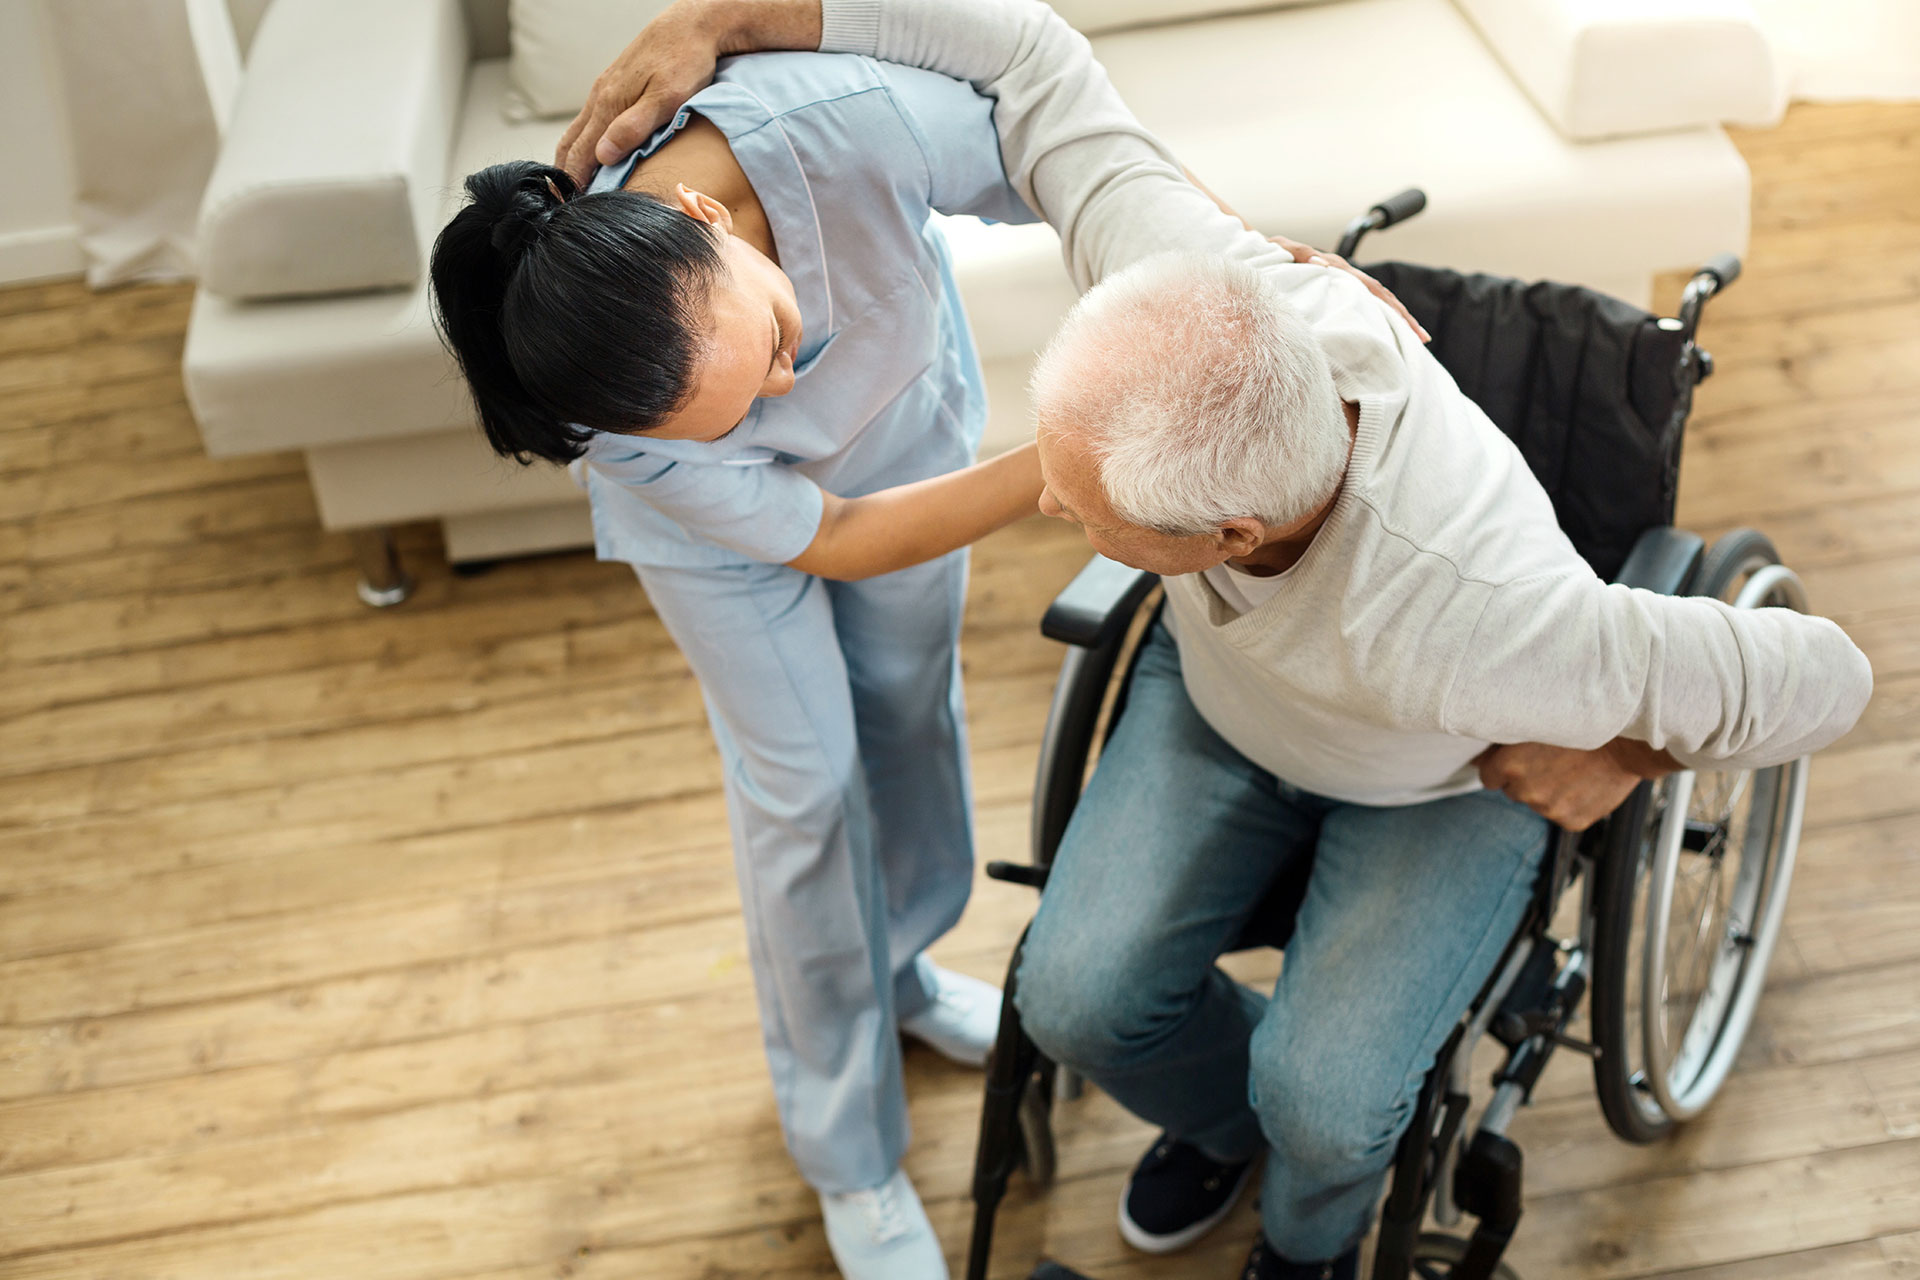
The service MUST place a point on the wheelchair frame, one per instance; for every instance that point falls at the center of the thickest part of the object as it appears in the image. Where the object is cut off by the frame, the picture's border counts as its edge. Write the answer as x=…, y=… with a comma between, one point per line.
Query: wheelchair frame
x=1526, y=1003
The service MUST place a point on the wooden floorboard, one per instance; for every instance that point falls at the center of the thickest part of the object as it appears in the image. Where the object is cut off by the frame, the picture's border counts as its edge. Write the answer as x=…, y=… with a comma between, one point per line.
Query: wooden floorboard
x=404, y=946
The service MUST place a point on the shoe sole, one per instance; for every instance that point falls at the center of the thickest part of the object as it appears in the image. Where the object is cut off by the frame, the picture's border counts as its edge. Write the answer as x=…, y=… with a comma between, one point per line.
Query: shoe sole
x=1146, y=1242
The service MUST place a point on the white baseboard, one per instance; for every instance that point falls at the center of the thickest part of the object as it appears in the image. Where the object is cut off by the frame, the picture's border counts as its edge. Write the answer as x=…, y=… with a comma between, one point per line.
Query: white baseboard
x=43, y=253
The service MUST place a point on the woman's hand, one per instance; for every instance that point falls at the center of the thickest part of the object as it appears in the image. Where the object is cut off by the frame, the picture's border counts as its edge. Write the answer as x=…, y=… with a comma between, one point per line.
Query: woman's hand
x=1307, y=253
x=668, y=62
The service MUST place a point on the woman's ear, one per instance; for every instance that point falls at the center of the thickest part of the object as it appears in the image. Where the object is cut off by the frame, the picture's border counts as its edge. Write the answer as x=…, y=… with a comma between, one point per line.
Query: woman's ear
x=703, y=208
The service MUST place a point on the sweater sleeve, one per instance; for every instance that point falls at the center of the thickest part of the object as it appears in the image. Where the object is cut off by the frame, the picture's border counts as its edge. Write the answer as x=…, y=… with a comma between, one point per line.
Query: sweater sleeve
x=1568, y=660
x=1071, y=147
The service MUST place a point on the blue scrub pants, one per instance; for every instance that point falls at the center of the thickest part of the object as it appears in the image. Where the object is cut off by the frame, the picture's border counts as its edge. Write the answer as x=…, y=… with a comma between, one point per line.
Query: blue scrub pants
x=837, y=708
x=1176, y=839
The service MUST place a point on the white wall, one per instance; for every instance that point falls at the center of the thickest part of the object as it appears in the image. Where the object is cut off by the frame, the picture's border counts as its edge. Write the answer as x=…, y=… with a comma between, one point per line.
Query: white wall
x=37, y=235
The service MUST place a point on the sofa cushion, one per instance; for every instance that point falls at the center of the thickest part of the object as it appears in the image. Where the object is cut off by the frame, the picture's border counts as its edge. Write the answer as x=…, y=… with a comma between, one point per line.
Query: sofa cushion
x=559, y=46
x=329, y=177
x=1605, y=68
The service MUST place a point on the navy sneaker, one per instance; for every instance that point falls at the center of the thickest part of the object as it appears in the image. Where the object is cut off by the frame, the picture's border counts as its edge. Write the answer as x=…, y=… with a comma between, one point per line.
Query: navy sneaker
x=1177, y=1194
x=1264, y=1264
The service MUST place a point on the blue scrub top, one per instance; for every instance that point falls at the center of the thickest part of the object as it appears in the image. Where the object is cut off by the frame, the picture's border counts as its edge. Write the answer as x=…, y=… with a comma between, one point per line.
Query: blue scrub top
x=849, y=158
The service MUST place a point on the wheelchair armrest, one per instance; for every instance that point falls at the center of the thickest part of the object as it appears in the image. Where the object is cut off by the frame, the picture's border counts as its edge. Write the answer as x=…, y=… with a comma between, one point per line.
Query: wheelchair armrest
x=1097, y=605
x=1663, y=559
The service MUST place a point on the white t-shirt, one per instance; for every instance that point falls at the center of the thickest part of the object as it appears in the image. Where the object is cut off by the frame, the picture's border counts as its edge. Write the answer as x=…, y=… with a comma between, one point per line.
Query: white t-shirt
x=1241, y=591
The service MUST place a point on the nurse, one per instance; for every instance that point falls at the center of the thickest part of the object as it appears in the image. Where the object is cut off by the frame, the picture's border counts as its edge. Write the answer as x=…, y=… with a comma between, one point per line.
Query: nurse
x=747, y=336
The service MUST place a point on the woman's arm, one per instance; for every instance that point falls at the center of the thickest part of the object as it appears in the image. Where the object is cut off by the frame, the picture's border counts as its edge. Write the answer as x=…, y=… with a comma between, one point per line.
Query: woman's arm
x=913, y=523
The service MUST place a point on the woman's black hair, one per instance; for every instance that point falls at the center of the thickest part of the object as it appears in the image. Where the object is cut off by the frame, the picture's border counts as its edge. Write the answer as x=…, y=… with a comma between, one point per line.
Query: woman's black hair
x=570, y=313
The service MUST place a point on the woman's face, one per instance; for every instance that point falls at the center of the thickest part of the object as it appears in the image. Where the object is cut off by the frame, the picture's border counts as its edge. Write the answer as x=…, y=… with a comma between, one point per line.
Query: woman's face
x=754, y=328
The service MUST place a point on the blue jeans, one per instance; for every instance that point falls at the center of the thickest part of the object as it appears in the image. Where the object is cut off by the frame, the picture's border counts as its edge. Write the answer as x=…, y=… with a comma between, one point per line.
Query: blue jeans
x=1172, y=846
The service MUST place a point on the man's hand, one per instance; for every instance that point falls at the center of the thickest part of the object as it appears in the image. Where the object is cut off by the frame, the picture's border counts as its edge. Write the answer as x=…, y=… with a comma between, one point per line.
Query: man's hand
x=668, y=62
x=1572, y=788
x=1307, y=253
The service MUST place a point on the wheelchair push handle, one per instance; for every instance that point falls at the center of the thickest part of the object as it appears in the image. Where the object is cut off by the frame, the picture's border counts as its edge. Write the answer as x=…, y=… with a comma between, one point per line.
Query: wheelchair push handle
x=1398, y=208
x=1395, y=208
x=1720, y=271
x=1723, y=267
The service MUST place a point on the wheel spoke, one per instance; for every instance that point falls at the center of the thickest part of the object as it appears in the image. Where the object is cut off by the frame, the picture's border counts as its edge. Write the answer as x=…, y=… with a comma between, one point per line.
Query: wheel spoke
x=1702, y=919
x=1691, y=954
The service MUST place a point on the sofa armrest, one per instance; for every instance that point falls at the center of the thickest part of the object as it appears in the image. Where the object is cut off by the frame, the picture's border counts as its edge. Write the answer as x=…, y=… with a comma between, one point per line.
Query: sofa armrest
x=1604, y=68
x=330, y=176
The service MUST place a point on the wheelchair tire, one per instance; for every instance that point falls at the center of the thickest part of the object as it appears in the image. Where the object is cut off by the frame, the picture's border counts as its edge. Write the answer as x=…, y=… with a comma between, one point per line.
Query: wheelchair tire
x=1435, y=1255
x=1692, y=882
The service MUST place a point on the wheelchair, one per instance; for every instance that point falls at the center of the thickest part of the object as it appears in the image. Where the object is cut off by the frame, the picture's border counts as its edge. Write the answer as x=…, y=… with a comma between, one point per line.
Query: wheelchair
x=1680, y=891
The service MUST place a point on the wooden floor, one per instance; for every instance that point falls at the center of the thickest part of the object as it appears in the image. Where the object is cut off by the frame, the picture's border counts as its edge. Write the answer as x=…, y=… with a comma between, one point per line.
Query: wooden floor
x=403, y=946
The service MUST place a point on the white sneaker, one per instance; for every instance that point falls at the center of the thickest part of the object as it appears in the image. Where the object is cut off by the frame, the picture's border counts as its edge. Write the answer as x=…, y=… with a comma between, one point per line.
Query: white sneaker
x=883, y=1234
x=962, y=1019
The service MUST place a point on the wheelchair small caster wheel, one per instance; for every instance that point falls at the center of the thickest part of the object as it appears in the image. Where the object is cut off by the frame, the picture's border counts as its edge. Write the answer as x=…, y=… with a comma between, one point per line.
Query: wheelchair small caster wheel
x=1435, y=1255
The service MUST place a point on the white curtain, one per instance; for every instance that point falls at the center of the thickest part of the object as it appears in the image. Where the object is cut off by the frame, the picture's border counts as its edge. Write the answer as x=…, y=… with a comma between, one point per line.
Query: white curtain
x=147, y=84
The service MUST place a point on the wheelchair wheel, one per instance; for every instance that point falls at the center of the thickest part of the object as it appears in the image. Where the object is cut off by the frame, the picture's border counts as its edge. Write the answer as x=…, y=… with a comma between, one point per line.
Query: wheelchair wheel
x=1435, y=1256
x=1692, y=885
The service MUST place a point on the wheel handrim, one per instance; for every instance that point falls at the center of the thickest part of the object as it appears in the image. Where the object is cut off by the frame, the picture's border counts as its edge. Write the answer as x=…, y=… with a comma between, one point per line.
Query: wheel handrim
x=1701, y=983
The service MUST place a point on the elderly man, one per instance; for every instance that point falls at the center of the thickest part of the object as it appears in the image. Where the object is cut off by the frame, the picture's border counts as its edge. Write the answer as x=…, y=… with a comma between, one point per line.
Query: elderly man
x=1367, y=591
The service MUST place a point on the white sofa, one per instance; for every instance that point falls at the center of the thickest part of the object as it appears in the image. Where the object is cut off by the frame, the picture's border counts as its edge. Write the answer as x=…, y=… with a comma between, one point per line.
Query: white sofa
x=1572, y=139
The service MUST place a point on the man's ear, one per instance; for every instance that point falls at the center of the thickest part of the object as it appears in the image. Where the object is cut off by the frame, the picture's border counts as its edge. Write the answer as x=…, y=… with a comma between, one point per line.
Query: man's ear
x=703, y=208
x=1241, y=535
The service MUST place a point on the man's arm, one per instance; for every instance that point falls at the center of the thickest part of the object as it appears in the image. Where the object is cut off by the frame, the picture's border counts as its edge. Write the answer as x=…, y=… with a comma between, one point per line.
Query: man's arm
x=1076, y=154
x=1687, y=681
x=1072, y=148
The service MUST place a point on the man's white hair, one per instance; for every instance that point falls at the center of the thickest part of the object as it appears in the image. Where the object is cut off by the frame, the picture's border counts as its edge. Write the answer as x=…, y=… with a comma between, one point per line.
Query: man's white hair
x=1203, y=395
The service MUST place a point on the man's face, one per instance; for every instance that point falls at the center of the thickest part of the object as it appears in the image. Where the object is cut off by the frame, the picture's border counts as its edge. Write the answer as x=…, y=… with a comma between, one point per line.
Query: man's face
x=1072, y=492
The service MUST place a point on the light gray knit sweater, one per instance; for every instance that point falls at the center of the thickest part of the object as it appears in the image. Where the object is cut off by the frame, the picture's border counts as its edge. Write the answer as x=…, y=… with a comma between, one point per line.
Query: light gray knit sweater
x=1440, y=608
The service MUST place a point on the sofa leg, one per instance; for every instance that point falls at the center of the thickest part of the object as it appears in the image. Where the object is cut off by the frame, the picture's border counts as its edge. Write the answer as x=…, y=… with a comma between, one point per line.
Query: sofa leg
x=382, y=581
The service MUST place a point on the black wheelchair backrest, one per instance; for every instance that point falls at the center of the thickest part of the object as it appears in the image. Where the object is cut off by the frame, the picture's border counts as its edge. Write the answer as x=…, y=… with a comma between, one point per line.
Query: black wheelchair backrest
x=1593, y=390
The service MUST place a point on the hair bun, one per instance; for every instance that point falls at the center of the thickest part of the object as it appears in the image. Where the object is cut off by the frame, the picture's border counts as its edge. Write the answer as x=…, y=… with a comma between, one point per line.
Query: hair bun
x=518, y=200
